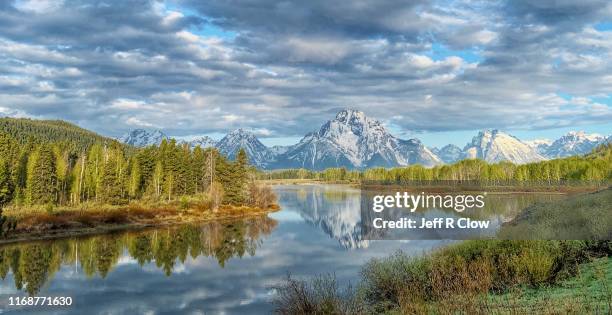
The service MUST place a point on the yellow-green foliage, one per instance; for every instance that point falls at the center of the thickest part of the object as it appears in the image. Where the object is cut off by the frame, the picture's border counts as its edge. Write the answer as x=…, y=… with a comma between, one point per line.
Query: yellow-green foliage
x=595, y=166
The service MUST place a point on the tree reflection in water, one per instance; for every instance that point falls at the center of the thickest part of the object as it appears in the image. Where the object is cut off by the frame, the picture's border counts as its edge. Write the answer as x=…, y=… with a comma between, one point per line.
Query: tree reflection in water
x=34, y=264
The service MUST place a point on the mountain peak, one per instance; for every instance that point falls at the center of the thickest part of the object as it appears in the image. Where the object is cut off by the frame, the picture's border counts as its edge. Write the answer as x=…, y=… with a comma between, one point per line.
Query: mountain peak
x=353, y=140
x=241, y=132
x=143, y=137
x=573, y=143
x=496, y=146
x=348, y=114
x=258, y=153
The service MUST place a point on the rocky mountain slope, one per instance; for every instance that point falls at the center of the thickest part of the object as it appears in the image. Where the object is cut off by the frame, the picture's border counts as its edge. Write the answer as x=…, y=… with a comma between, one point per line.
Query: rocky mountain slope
x=143, y=137
x=354, y=141
x=573, y=143
x=259, y=154
x=495, y=146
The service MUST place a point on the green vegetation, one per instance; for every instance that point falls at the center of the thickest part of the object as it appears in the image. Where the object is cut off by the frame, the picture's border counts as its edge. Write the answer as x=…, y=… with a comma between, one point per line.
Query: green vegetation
x=472, y=277
x=485, y=276
x=596, y=166
x=588, y=292
x=50, y=131
x=51, y=164
x=585, y=217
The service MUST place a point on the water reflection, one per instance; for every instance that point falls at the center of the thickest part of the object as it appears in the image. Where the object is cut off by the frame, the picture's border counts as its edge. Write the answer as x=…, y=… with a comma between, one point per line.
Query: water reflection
x=337, y=211
x=33, y=264
x=219, y=268
x=333, y=209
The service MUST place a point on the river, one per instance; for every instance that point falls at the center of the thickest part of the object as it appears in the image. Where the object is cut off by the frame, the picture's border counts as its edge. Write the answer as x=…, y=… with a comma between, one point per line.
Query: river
x=216, y=268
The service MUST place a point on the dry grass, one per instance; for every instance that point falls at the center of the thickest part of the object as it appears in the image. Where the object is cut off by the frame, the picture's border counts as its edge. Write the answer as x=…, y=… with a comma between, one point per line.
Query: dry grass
x=474, y=277
x=39, y=223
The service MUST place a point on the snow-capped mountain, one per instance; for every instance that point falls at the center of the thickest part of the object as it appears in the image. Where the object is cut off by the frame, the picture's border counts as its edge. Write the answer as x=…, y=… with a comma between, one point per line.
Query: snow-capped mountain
x=340, y=218
x=540, y=145
x=279, y=149
x=353, y=140
x=143, y=137
x=449, y=153
x=259, y=154
x=203, y=142
x=573, y=143
x=495, y=146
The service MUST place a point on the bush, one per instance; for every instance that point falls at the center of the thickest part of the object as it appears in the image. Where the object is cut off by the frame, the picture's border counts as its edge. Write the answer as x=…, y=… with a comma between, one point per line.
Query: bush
x=49, y=208
x=216, y=193
x=320, y=296
x=184, y=203
x=456, y=277
x=204, y=203
x=261, y=196
x=7, y=224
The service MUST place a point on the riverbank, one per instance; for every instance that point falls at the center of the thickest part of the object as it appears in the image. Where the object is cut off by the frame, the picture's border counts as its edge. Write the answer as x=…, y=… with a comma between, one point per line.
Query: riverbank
x=483, y=276
x=298, y=181
x=42, y=224
x=438, y=187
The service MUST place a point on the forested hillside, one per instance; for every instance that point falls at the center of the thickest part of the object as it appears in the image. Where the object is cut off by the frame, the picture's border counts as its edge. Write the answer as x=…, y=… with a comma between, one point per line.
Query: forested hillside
x=55, y=163
x=596, y=166
x=39, y=131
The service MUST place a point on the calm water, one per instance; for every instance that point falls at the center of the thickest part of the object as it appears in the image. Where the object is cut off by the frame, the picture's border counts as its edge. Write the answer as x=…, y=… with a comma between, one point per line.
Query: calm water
x=219, y=268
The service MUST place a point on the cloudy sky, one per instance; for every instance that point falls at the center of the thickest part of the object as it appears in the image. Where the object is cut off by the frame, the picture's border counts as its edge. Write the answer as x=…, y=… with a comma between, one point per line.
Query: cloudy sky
x=437, y=70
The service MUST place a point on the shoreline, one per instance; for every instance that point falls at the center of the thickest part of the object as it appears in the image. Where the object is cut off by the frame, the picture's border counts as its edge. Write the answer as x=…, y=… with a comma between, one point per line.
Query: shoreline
x=561, y=190
x=176, y=219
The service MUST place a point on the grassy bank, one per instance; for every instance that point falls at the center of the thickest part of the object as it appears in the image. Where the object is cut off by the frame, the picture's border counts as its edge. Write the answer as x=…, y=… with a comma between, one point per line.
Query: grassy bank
x=587, y=216
x=472, y=277
x=483, y=276
x=45, y=222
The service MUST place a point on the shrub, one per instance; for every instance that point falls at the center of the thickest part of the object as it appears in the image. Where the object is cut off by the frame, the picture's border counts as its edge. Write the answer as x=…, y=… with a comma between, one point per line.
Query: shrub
x=184, y=203
x=319, y=296
x=204, y=203
x=261, y=196
x=49, y=208
x=7, y=224
x=455, y=278
x=216, y=193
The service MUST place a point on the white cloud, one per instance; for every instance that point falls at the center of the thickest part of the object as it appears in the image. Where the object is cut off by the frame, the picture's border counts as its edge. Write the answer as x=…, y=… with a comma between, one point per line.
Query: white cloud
x=133, y=121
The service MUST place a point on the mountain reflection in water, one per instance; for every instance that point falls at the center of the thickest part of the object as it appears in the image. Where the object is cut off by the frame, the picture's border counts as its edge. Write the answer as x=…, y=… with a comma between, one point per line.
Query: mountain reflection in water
x=336, y=210
x=215, y=268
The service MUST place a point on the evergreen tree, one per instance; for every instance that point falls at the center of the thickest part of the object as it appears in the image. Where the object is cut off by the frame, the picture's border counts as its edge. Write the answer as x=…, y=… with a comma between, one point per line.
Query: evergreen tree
x=42, y=177
x=109, y=188
x=135, y=178
x=6, y=186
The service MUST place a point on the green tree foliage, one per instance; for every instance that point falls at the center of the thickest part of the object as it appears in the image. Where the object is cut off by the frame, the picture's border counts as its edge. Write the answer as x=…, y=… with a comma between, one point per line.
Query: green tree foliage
x=55, y=163
x=41, y=184
x=6, y=193
x=6, y=185
x=234, y=177
x=48, y=131
x=596, y=166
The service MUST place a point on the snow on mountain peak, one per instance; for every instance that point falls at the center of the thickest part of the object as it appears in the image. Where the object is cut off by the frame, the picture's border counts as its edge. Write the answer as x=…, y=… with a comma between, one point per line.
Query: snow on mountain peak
x=574, y=143
x=203, y=142
x=259, y=154
x=496, y=146
x=143, y=137
x=354, y=140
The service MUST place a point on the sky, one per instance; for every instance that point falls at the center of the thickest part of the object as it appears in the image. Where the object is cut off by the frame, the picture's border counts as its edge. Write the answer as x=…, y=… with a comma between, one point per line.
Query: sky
x=436, y=70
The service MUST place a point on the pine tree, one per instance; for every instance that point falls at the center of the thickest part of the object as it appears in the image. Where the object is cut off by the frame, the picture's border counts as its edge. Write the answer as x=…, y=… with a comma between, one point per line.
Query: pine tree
x=42, y=177
x=109, y=188
x=135, y=178
x=6, y=186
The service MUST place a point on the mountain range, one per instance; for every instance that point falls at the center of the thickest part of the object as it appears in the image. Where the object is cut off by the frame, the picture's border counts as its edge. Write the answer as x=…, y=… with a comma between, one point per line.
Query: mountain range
x=355, y=141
